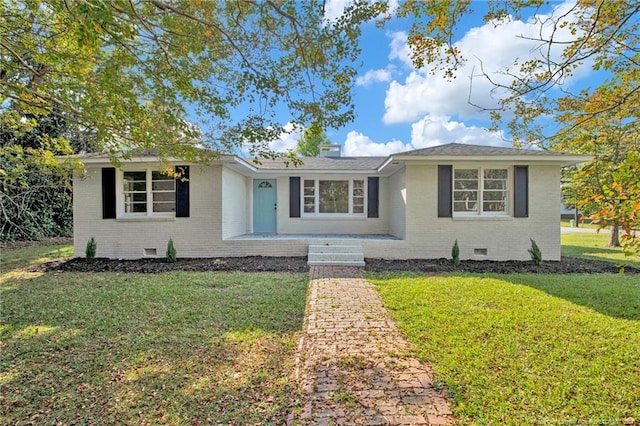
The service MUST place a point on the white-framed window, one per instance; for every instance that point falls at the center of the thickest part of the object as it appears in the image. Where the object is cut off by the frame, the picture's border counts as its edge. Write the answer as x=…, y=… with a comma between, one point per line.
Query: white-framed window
x=333, y=197
x=147, y=192
x=480, y=191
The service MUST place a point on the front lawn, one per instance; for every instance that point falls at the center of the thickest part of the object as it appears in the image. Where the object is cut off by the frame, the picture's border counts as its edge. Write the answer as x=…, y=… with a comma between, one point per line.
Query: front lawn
x=585, y=223
x=31, y=256
x=526, y=349
x=172, y=348
x=593, y=246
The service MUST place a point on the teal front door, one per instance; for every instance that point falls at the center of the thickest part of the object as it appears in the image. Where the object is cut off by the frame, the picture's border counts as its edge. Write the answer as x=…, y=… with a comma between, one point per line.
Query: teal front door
x=264, y=205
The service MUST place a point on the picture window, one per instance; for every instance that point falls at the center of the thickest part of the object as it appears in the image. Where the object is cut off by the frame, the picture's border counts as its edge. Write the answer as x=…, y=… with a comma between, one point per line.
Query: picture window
x=345, y=197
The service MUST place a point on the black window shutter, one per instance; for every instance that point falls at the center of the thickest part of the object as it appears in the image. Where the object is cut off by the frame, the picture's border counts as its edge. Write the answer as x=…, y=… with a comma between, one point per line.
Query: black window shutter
x=294, y=196
x=520, y=191
x=372, y=196
x=445, y=191
x=182, y=191
x=108, y=193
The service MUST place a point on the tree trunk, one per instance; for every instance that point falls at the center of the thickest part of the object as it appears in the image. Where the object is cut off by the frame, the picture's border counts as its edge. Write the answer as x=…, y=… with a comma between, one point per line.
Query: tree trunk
x=614, y=241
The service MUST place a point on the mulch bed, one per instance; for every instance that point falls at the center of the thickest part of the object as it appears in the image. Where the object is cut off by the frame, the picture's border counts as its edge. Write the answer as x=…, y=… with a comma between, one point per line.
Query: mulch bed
x=146, y=266
x=568, y=265
x=299, y=264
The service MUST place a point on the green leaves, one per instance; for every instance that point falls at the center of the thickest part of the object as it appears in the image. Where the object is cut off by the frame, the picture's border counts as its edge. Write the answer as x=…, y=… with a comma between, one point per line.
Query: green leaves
x=35, y=189
x=620, y=201
x=312, y=138
x=602, y=35
x=606, y=189
x=169, y=75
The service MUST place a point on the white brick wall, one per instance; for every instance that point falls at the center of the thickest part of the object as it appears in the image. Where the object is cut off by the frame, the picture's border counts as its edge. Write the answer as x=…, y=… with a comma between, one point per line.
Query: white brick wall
x=236, y=193
x=194, y=236
x=413, y=191
x=397, y=201
x=313, y=225
x=429, y=236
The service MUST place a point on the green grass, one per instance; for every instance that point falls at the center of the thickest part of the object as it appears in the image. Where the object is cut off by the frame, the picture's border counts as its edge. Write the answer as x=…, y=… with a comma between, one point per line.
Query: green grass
x=31, y=256
x=566, y=223
x=526, y=349
x=182, y=348
x=174, y=348
x=592, y=246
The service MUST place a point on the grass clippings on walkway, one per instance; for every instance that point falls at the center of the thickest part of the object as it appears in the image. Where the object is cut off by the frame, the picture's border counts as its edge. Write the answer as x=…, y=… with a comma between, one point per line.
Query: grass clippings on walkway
x=173, y=348
x=526, y=349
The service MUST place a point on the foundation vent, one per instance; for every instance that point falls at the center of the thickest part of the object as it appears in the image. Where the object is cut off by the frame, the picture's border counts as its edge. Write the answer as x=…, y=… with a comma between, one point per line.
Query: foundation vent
x=150, y=252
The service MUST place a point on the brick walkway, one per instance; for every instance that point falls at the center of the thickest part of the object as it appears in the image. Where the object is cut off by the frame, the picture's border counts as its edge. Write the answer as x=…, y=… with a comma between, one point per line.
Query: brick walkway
x=352, y=366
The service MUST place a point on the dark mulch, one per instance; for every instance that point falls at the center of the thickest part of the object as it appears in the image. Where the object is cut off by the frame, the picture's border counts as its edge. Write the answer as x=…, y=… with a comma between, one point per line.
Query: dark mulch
x=567, y=265
x=245, y=264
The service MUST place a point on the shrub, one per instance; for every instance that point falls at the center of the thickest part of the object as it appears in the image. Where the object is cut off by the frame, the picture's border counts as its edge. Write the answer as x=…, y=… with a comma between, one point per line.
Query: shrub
x=36, y=195
x=455, y=254
x=534, y=251
x=90, y=251
x=171, y=252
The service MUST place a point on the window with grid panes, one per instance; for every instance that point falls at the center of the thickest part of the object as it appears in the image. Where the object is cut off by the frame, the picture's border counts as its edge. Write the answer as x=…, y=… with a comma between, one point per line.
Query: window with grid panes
x=148, y=192
x=333, y=197
x=480, y=191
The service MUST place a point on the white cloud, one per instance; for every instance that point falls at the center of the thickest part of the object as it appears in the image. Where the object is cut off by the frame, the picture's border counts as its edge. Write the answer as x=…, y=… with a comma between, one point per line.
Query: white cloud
x=429, y=131
x=333, y=9
x=359, y=145
x=376, y=76
x=399, y=48
x=288, y=140
x=489, y=49
x=439, y=130
x=393, y=6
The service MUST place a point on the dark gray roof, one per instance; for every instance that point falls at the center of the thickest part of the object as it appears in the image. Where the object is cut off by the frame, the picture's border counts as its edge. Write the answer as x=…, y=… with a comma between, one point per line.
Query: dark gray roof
x=463, y=149
x=347, y=164
x=323, y=163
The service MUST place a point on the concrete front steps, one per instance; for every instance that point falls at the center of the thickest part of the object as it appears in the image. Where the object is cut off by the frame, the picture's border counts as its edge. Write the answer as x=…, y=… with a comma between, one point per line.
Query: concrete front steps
x=336, y=253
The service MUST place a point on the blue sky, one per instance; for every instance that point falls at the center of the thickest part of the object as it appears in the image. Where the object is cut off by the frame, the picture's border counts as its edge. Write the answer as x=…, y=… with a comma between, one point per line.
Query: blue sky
x=401, y=108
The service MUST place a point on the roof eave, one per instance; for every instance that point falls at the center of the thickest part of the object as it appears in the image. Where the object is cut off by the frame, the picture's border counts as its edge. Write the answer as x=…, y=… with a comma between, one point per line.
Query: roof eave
x=563, y=160
x=301, y=171
x=243, y=165
x=105, y=159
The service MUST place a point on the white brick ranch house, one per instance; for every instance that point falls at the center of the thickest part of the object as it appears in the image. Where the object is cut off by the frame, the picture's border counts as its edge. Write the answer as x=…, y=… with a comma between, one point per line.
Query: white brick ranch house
x=409, y=205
